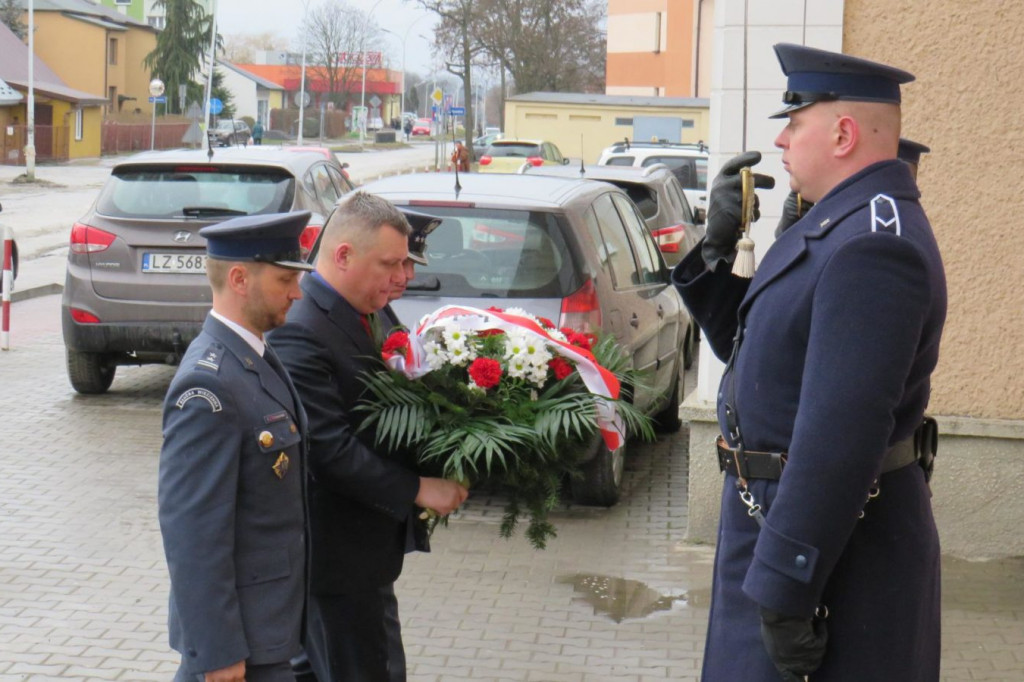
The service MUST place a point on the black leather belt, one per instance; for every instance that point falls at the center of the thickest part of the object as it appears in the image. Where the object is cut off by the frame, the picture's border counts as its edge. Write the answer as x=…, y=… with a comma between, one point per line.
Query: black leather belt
x=752, y=464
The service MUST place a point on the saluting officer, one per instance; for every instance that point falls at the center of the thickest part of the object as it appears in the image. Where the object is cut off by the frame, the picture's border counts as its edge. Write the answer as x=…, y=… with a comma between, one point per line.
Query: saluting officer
x=232, y=467
x=828, y=565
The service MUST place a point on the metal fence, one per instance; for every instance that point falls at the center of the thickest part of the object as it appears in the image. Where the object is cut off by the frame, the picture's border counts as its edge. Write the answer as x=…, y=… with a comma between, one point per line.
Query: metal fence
x=115, y=138
x=118, y=138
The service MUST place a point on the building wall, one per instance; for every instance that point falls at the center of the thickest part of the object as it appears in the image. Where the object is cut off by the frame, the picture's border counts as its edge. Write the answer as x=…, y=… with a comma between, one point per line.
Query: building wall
x=965, y=105
x=650, y=48
x=82, y=68
x=139, y=42
x=134, y=9
x=584, y=130
x=92, y=117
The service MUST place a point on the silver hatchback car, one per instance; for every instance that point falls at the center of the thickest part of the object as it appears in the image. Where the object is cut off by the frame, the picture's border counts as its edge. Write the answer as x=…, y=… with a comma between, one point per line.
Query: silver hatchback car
x=574, y=251
x=136, y=290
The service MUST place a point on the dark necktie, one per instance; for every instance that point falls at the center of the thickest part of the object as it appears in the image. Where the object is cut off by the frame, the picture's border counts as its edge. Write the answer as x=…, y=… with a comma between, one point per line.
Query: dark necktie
x=275, y=364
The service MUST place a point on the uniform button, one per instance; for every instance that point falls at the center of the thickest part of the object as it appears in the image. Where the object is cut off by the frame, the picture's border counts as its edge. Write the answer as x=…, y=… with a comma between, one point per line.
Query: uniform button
x=801, y=561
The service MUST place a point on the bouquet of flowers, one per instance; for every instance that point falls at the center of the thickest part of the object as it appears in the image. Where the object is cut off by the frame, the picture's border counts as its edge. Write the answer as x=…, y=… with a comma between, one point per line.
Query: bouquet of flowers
x=501, y=397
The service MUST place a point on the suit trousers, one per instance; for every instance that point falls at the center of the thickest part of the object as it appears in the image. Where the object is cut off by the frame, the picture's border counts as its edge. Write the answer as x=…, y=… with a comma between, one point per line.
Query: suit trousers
x=347, y=637
x=271, y=672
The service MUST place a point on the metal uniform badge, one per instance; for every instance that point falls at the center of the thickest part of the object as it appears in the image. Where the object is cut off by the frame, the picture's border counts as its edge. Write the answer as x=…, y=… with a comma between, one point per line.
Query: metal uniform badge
x=281, y=465
x=266, y=439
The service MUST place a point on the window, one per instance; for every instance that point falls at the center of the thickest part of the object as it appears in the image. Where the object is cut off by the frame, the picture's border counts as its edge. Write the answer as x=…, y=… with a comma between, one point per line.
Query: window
x=112, y=95
x=646, y=251
x=624, y=121
x=78, y=124
x=340, y=180
x=326, y=192
x=112, y=52
x=678, y=199
x=620, y=161
x=617, y=249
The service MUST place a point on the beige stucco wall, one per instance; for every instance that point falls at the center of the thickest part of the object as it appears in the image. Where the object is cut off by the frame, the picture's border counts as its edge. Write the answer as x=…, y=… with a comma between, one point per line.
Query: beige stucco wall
x=83, y=67
x=583, y=130
x=139, y=42
x=966, y=105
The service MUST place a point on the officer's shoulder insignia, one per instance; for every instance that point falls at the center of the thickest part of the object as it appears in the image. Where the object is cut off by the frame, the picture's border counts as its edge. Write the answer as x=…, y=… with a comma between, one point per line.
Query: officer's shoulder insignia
x=197, y=392
x=210, y=359
x=885, y=217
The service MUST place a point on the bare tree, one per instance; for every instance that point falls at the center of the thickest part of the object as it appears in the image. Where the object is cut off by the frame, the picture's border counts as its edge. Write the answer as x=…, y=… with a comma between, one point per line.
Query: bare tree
x=456, y=41
x=545, y=45
x=336, y=38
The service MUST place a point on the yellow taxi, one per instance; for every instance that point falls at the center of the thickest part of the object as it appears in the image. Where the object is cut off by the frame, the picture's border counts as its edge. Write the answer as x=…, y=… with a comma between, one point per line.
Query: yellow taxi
x=508, y=156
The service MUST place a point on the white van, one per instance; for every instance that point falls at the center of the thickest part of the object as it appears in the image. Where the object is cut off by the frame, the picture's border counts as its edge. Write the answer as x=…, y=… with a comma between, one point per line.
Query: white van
x=689, y=163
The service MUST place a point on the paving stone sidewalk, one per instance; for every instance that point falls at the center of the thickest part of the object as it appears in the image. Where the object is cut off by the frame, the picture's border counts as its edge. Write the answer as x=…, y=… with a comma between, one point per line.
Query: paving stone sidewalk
x=617, y=596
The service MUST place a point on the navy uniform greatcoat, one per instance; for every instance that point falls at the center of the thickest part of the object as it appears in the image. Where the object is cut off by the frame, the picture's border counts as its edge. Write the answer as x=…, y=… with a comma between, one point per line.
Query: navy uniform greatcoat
x=231, y=505
x=841, y=328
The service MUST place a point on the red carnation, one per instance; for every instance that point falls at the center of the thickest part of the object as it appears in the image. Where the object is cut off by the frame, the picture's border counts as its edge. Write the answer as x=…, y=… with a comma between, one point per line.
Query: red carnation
x=397, y=342
x=546, y=323
x=579, y=340
x=485, y=372
x=561, y=367
x=489, y=332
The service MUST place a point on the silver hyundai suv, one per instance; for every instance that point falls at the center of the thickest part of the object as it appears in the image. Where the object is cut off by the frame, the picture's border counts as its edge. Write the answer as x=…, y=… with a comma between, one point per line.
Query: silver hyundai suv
x=136, y=290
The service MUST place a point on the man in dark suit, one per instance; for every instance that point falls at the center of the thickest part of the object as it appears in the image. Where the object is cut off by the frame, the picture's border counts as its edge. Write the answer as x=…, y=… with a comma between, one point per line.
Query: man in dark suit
x=828, y=558
x=232, y=467
x=361, y=502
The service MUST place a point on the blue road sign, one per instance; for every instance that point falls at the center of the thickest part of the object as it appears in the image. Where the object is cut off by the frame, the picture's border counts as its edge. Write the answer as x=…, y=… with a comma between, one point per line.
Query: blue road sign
x=216, y=106
x=458, y=111
x=158, y=100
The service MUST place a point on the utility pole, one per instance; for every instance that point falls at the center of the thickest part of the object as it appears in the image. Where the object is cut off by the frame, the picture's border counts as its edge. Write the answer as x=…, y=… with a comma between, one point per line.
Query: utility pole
x=30, y=142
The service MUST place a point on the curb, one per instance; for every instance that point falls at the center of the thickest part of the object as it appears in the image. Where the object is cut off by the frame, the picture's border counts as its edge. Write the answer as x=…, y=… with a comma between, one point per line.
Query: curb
x=36, y=292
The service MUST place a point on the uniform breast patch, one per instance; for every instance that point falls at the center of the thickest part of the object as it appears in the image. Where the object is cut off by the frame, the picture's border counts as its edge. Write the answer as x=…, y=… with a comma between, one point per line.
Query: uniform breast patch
x=206, y=394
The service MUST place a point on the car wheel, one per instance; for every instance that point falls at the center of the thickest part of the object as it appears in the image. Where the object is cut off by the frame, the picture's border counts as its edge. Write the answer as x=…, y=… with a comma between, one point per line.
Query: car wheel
x=667, y=420
x=601, y=481
x=90, y=373
x=690, y=345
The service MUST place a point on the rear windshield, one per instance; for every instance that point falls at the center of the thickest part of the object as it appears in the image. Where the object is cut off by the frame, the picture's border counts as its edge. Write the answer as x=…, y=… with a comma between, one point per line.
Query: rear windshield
x=514, y=149
x=692, y=172
x=196, y=191
x=645, y=198
x=496, y=253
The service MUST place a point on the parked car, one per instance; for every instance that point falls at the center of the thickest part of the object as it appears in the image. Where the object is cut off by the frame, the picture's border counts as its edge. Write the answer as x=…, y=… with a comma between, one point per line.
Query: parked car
x=661, y=202
x=136, y=290
x=229, y=133
x=508, y=156
x=573, y=251
x=422, y=126
x=688, y=161
x=480, y=144
x=14, y=255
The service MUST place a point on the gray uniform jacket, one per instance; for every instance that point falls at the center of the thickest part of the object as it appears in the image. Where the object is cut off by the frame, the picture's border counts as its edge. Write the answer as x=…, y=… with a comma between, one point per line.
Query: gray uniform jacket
x=231, y=505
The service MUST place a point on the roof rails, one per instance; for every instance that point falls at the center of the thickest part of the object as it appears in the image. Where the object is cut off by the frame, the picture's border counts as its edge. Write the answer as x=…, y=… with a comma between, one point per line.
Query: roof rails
x=626, y=144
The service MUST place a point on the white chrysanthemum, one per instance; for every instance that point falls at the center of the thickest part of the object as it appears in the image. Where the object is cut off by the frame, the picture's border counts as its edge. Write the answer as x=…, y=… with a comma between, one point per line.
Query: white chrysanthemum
x=557, y=335
x=518, y=368
x=515, y=344
x=461, y=354
x=454, y=335
x=436, y=357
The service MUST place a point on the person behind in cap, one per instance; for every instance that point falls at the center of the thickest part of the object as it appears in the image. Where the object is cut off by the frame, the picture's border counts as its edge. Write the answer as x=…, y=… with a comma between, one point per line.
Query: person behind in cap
x=421, y=226
x=232, y=467
x=832, y=569
x=361, y=501
x=909, y=152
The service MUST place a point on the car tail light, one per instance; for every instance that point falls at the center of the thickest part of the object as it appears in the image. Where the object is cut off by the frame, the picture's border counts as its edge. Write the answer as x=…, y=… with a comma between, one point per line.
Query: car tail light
x=581, y=310
x=308, y=238
x=82, y=317
x=485, y=160
x=535, y=161
x=86, y=239
x=669, y=238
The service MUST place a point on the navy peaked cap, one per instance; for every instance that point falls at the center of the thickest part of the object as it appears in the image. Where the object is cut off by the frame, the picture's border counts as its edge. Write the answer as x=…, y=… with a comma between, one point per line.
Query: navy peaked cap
x=815, y=75
x=263, y=238
x=422, y=225
x=910, y=151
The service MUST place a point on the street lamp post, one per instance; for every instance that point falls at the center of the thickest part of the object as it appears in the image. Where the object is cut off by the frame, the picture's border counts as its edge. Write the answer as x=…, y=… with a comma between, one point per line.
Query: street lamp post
x=362, y=58
x=302, y=76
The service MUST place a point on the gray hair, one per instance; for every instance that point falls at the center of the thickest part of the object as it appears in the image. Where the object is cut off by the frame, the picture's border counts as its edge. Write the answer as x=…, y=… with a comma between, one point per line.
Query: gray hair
x=358, y=217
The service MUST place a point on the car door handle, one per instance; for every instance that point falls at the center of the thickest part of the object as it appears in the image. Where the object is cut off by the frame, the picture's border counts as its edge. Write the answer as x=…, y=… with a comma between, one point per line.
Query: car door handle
x=634, y=321
x=661, y=311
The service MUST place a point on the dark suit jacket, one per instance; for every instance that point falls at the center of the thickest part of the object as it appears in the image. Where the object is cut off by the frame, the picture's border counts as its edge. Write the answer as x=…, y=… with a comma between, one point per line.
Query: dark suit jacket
x=360, y=501
x=232, y=523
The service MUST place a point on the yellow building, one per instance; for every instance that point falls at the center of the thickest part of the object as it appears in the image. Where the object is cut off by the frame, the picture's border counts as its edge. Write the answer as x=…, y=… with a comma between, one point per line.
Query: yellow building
x=67, y=120
x=582, y=125
x=107, y=55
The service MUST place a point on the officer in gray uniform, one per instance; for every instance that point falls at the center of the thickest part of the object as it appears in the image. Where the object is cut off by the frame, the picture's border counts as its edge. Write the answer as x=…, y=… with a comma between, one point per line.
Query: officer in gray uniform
x=827, y=561
x=232, y=469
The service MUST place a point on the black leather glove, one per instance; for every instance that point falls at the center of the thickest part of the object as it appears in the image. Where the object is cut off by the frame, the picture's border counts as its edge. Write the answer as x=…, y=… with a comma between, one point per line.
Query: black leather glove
x=789, y=214
x=795, y=645
x=725, y=206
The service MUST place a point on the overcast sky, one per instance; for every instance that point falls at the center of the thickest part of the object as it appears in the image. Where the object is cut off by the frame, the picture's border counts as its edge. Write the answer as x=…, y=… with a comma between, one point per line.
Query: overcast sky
x=283, y=17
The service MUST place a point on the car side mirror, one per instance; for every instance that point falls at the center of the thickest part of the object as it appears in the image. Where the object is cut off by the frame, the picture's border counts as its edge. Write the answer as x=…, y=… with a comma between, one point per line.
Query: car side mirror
x=565, y=162
x=700, y=216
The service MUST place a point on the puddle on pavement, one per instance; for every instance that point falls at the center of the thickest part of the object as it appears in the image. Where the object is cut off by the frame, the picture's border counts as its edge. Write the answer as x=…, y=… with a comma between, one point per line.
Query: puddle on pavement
x=620, y=598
